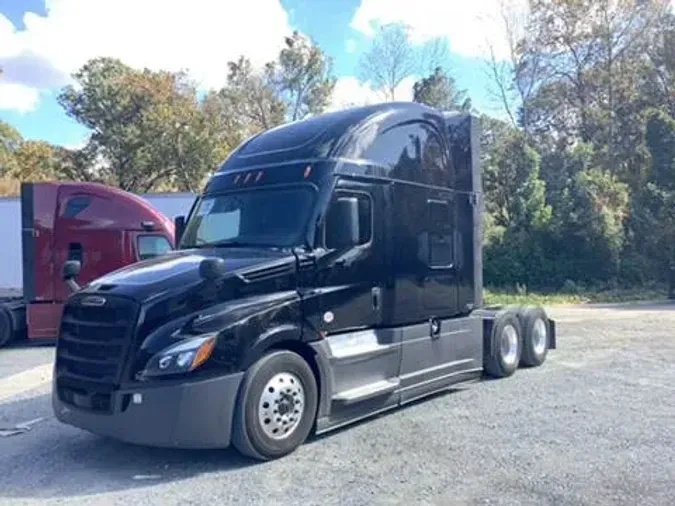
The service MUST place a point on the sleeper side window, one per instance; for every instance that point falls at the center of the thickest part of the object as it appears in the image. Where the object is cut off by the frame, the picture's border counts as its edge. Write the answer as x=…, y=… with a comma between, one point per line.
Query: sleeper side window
x=75, y=206
x=349, y=221
x=440, y=238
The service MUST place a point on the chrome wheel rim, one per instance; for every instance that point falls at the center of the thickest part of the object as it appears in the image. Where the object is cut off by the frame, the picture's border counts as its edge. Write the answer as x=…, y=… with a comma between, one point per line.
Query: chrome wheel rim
x=509, y=345
x=281, y=405
x=539, y=336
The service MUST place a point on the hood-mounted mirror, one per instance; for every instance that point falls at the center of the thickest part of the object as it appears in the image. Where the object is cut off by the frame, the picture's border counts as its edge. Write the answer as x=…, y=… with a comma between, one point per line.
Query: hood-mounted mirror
x=211, y=269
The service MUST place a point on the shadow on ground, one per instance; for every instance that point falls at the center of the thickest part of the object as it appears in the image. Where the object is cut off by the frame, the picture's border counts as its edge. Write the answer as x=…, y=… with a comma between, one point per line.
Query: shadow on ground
x=55, y=460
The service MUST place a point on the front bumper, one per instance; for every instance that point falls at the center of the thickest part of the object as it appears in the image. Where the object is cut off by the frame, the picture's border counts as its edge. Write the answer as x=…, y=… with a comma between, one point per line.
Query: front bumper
x=195, y=414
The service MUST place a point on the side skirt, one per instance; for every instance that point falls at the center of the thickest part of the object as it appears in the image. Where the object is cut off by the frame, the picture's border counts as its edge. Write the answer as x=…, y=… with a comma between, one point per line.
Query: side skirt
x=360, y=378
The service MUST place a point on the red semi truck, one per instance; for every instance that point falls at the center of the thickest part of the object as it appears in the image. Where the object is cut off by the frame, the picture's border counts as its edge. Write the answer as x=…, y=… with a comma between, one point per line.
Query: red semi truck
x=104, y=228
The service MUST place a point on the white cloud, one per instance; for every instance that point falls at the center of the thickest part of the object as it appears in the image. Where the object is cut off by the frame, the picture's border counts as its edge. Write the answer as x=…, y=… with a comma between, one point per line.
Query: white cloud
x=18, y=97
x=77, y=145
x=350, y=46
x=468, y=26
x=197, y=35
x=350, y=92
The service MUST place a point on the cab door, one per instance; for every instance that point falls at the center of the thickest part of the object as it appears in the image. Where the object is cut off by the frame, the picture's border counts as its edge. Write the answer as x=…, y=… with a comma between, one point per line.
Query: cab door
x=350, y=275
x=82, y=234
x=347, y=302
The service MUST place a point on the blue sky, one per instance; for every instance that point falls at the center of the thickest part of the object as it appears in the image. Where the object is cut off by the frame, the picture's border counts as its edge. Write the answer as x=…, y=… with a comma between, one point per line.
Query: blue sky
x=43, y=41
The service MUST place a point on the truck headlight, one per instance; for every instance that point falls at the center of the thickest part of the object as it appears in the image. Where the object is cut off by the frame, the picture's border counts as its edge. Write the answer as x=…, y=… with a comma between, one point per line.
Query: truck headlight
x=182, y=357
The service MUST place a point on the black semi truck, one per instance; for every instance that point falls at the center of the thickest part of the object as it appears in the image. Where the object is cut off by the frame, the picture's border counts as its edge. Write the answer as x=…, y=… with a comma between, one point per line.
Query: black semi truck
x=330, y=270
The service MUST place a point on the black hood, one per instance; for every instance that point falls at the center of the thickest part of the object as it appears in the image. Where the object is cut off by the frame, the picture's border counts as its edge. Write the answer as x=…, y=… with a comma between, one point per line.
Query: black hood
x=180, y=269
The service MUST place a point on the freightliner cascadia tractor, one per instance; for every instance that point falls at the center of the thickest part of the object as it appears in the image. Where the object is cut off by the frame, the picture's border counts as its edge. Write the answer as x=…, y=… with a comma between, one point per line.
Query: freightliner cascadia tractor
x=330, y=270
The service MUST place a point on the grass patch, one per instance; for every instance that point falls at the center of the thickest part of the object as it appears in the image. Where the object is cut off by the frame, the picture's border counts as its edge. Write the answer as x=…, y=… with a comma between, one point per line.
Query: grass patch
x=505, y=297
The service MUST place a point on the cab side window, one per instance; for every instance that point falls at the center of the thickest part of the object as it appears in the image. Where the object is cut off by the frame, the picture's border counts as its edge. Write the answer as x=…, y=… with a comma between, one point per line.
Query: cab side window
x=150, y=246
x=349, y=221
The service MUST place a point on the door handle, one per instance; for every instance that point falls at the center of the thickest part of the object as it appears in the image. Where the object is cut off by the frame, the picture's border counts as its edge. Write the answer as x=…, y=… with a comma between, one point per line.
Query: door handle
x=376, y=294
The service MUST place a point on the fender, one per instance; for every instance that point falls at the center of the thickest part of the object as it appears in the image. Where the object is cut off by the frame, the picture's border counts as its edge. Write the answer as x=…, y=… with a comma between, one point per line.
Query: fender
x=308, y=343
x=284, y=332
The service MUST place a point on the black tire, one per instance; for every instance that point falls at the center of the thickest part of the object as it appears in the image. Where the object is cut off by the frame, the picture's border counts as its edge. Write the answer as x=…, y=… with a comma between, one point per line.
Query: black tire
x=535, y=321
x=248, y=434
x=6, y=327
x=498, y=362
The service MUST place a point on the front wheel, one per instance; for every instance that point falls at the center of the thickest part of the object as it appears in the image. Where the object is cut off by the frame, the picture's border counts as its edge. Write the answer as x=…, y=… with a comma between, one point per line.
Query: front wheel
x=276, y=406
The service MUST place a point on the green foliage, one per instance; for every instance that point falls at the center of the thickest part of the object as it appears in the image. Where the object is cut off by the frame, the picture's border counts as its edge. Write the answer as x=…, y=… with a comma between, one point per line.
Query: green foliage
x=595, y=225
x=514, y=192
x=660, y=139
x=439, y=90
x=37, y=161
x=297, y=84
x=148, y=128
x=251, y=98
x=304, y=77
x=504, y=297
x=10, y=140
x=596, y=81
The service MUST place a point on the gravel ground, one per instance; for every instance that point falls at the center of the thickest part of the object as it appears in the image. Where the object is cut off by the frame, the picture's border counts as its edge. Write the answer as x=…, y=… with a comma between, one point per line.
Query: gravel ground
x=595, y=425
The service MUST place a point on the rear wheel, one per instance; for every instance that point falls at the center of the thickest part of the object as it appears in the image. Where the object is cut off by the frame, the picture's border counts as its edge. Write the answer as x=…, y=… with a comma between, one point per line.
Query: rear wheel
x=535, y=336
x=504, y=348
x=276, y=406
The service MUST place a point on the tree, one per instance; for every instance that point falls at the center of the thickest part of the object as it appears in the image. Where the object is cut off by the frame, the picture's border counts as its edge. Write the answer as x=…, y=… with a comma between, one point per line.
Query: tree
x=514, y=80
x=10, y=140
x=659, y=83
x=37, y=161
x=304, y=78
x=298, y=83
x=390, y=59
x=252, y=98
x=515, y=194
x=653, y=216
x=148, y=128
x=439, y=90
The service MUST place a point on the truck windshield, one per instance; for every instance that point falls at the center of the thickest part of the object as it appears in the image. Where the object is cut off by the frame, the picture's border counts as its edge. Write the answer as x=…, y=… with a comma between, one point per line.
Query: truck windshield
x=261, y=217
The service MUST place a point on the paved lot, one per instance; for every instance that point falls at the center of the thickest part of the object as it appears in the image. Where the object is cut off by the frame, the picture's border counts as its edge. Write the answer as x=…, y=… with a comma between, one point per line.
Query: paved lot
x=594, y=425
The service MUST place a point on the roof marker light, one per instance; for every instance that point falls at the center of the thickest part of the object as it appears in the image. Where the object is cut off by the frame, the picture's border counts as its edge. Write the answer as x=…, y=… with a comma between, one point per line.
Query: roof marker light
x=259, y=176
x=248, y=176
x=236, y=178
x=308, y=171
